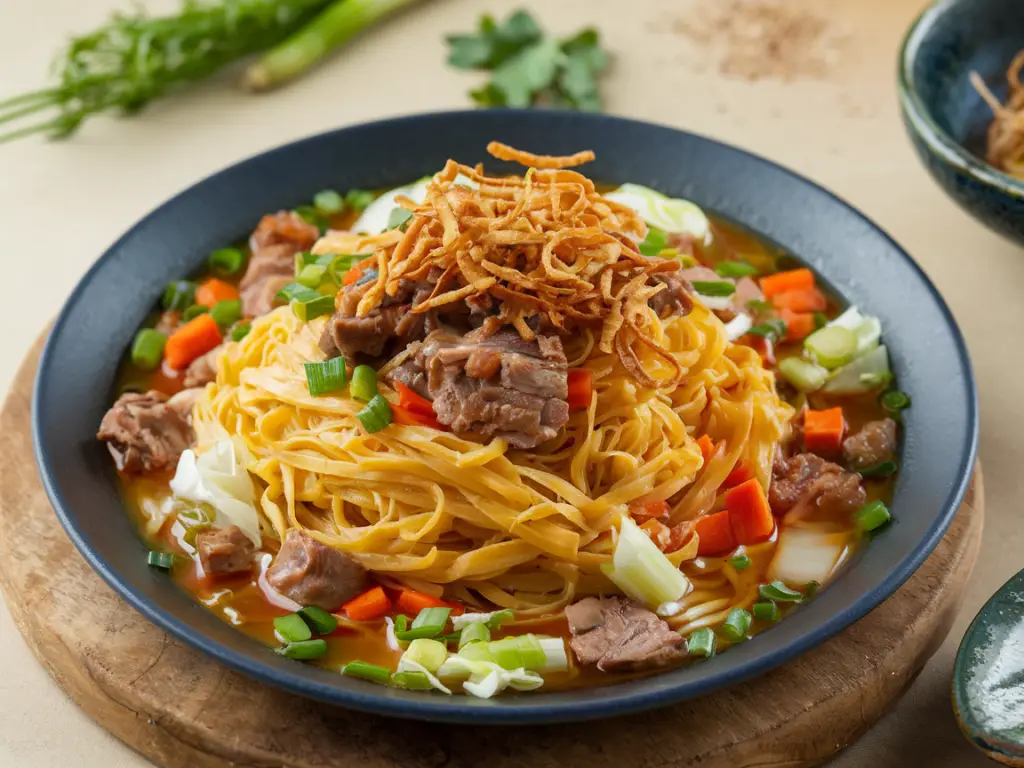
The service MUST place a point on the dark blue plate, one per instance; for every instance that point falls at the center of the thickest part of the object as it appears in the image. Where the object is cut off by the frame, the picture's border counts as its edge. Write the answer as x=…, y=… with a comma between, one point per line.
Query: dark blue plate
x=944, y=115
x=81, y=358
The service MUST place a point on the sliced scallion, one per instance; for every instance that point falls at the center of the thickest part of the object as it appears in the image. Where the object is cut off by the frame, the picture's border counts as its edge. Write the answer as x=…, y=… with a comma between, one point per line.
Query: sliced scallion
x=376, y=415
x=162, y=560
x=735, y=269
x=194, y=311
x=314, y=306
x=309, y=214
x=240, y=331
x=779, y=592
x=714, y=287
x=654, y=243
x=328, y=376
x=364, y=383
x=226, y=261
x=758, y=306
x=770, y=329
x=702, y=642
x=319, y=620
x=811, y=589
x=148, y=348
x=832, y=346
x=473, y=633
x=227, y=313
x=328, y=201
x=311, y=275
x=739, y=562
x=895, y=401
x=427, y=652
x=399, y=218
x=766, y=611
x=412, y=681
x=292, y=628
x=737, y=625
x=872, y=515
x=304, y=650
x=358, y=199
x=882, y=469
x=179, y=295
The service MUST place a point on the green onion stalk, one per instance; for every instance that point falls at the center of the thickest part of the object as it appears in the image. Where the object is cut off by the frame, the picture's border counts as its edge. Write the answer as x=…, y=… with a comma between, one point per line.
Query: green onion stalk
x=133, y=59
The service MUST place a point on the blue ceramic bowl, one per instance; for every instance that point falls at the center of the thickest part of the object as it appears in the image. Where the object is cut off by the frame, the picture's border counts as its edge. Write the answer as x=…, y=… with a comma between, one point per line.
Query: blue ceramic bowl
x=943, y=113
x=76, y=375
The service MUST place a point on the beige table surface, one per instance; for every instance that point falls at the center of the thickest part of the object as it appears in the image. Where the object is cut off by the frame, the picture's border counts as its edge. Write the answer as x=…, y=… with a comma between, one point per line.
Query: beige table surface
x=62, y=204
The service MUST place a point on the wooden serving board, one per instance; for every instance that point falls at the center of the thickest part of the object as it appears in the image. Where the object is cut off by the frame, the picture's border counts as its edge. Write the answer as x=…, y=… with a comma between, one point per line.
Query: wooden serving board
x=181, y=709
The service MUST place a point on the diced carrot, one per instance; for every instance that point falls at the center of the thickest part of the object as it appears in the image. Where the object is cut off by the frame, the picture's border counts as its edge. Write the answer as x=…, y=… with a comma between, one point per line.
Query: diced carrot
x=749, y=513
x=680, y=534
x=707, y=447
x=581, y=389
x=372, y=604
x=781, y=282
x=803, y=300
x=213, y=290
x=409, y=418
x=823, y=431
x=412, y=401
x=740, y=474
x=412, y=602
x=799, y=325
x=659, y=533
x=196, y=337
x=651, y=510
x=762, y=345
x=715, y=532
x=356, y=272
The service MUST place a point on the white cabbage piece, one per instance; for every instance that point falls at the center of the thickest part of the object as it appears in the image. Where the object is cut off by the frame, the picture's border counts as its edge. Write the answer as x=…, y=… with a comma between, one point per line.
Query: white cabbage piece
x=666, y=213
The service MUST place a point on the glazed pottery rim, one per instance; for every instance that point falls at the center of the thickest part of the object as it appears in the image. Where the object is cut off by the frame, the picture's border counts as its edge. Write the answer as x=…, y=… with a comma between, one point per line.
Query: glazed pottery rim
x=521, y=710
x=919, y=115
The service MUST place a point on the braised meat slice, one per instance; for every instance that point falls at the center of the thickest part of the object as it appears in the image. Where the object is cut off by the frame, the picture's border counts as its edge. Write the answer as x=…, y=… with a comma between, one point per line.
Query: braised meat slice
x=873, y=444
x=147, y=432
x=311, y=573
x=225, y=552
x=493, y=386
x=676, y=298
x=616, y=634
x=806, y=480
x=203, y=369
x=274, y=243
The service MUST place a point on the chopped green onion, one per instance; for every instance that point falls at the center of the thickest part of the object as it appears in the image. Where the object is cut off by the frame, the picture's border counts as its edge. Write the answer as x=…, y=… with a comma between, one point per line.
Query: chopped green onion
x=654, y=243
x=364, y=671
x=803, y=374
x=477, y=652
x=811, y=589
x=179, y=295
x=163, y=560
x=820, y=320
x=309, y=214
x=500, y=617
x=896, y=401
x=702, y=642
x=296, y=291
x=376, y=415
x=474, y=633
x=872, y=515
x=358, y=199
x=431, y=618
x=766, y=611
x=311, y=275
x=882, y=469
x=328, y=201
x=641, y=570
x=735, y=269
x=304, y=650
x=226, y=261
x=429, y=654
x=292, y=628
x=832, y=346
x=364, y=383
x=520, y=652
x=314, y=307
x=779, y=592
x=194, y=311
x=714, y=288
x=399, y=219
x=240, y=331
x=227, y=313
x=737, y=625
x=318, y=619
x=148, y=348
x=739, y=562
x=771, y=329
x=412, y=681
x=759, y=306
x=328, y=376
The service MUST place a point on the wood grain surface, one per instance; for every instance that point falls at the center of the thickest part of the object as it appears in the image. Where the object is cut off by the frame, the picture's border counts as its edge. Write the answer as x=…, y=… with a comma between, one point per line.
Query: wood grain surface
x=181, y=709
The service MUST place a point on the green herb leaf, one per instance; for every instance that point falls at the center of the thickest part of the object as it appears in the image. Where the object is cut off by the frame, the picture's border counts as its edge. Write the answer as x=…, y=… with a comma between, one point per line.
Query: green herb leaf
x=469, y=51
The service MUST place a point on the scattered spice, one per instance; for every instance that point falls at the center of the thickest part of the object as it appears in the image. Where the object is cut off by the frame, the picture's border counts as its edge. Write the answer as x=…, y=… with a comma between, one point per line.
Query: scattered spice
x=760, y=39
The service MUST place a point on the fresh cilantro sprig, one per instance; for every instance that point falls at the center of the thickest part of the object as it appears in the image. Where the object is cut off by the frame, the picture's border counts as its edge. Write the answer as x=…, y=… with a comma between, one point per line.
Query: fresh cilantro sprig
x=528, y=68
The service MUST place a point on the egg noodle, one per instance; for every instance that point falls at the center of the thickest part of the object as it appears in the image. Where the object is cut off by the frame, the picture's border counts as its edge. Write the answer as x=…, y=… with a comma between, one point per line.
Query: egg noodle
x=483, y=523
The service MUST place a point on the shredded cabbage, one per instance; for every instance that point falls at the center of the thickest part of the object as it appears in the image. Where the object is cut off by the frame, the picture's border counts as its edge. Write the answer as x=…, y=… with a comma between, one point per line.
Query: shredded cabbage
x=864, y=374
x=641, y=570
x=484, y=679
x=408, y=665
x=867, y=329
x=667, y=213
x=493, y=620
x=219, y=477
x=803, y=556
x=374, y=219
